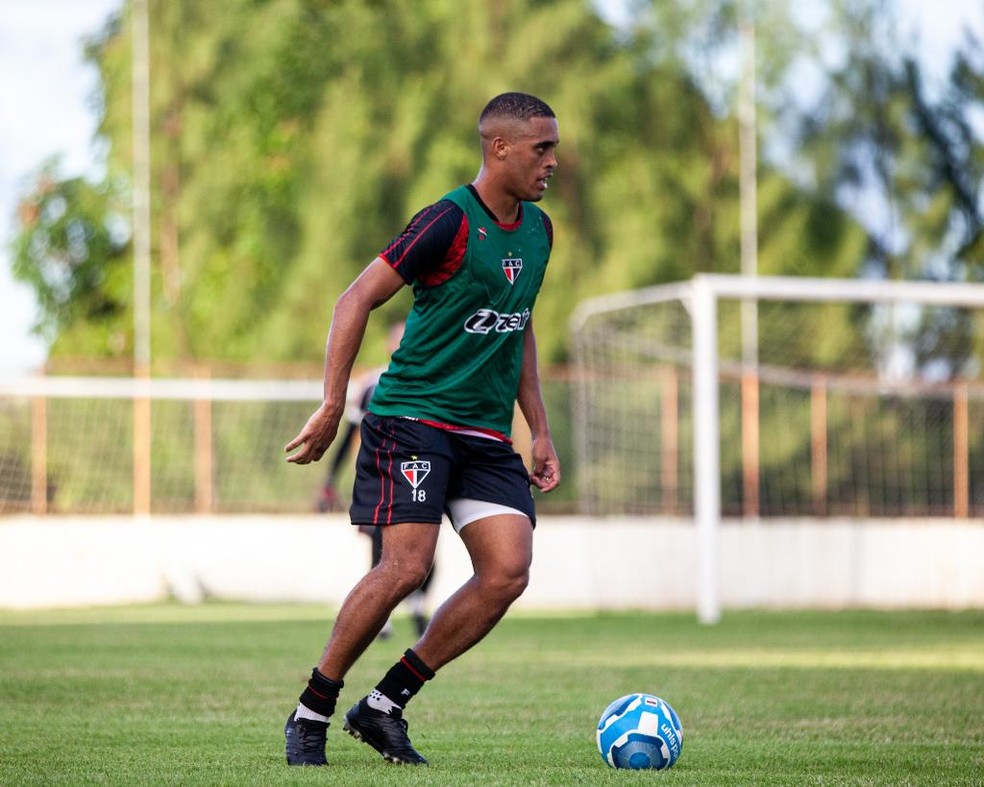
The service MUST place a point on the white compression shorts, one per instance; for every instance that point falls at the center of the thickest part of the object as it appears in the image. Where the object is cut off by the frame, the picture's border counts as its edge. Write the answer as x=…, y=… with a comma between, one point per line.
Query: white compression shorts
x=465, y=511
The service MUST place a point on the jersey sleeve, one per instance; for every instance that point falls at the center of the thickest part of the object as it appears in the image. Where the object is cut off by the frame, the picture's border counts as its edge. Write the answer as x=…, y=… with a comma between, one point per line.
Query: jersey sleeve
x=432, y=246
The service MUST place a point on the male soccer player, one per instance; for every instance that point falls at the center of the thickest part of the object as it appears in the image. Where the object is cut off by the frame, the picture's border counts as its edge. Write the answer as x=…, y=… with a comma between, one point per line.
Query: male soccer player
x=436, y=438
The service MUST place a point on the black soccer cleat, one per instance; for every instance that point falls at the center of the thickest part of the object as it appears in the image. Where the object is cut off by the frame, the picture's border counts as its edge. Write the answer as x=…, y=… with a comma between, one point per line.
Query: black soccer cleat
x=386, y=733
x=305, y=741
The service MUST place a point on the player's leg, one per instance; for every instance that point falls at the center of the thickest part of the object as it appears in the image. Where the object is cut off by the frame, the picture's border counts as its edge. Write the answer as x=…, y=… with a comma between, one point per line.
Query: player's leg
x=376, y=719
x=393, y=484
x=417, y=460
x=405, y=560
x=492, y=510
x=501, y=550
x=375, y=533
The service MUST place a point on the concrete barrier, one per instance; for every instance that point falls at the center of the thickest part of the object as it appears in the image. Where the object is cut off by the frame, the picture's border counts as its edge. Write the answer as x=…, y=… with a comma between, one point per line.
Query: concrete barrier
x=580, y=563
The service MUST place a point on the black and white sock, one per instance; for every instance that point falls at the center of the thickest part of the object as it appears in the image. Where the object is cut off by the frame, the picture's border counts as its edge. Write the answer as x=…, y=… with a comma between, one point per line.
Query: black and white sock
x=317, y=701
x=400, y=684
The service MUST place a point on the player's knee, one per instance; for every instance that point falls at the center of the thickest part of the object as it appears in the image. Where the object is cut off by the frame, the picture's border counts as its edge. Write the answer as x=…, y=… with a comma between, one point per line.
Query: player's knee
x=519, y=584
x=508, y=583
x=406, y=576
x=417, y=576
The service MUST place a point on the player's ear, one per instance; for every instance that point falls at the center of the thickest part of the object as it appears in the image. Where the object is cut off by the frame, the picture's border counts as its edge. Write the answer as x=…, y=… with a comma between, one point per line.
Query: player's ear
x=500, y=147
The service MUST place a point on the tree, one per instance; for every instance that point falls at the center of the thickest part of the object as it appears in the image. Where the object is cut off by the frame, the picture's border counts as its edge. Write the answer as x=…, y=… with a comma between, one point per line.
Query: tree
x=293, y=138
x=910, y=163
x=71, y=250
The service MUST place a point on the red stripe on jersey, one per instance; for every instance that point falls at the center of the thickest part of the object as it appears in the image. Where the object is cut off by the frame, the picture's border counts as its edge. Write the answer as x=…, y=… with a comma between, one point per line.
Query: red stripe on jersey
x=418, y=235
x=452, y=260
x=515, y=225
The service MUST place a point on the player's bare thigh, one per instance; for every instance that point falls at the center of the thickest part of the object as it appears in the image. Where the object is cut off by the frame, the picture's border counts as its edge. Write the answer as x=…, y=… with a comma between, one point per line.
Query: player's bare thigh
x=500, y=546
x=408, y=550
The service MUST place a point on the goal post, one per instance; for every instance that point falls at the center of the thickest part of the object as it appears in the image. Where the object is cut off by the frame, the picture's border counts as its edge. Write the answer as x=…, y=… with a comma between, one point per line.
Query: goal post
x=843, y=367
x=707, y=446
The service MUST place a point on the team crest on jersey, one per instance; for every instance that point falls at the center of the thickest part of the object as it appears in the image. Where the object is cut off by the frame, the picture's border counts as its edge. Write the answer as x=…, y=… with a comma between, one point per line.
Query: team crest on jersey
x=512, y=267
x=415, y=472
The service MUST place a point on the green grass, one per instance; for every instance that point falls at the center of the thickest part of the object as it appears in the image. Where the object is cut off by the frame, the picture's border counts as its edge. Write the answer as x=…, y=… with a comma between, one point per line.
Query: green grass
x=167, y=694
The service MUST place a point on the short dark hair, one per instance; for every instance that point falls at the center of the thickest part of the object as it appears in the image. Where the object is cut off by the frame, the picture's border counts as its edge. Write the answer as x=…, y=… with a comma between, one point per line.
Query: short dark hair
x=516, y=106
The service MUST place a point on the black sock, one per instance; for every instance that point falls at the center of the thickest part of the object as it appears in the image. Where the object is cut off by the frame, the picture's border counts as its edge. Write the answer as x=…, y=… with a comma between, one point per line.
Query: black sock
x=321, y=694
x=404, y=679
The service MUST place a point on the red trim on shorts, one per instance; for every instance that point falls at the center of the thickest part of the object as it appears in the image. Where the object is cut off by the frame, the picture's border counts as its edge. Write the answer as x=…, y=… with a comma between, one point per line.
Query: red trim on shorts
x=382, y=485
x=492, y=434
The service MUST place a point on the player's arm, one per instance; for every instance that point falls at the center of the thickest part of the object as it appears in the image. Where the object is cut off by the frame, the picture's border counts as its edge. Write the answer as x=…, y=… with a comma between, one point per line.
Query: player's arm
x=374, y=286
x=546, y=464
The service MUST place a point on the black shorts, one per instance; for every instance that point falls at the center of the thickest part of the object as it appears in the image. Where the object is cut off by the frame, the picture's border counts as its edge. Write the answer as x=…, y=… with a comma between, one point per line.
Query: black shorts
x=408, y=471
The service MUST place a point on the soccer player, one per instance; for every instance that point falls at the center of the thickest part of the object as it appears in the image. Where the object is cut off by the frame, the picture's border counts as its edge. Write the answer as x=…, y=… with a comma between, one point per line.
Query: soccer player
x=436, y=438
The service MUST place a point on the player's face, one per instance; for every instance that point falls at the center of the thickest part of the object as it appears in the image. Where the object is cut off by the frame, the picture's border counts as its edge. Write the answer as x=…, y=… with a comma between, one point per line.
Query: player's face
x=532, y=158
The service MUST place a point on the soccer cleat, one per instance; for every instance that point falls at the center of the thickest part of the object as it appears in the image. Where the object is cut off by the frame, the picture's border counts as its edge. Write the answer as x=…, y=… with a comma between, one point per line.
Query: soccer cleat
x=305, y=741
x=386, y=733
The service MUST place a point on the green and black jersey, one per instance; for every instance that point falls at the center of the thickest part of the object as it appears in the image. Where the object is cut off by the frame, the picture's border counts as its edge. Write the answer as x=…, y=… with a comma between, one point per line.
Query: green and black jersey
x=475, y=282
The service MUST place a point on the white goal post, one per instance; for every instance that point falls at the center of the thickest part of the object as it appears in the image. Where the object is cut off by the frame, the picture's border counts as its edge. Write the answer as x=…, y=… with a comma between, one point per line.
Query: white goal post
x=595, y=323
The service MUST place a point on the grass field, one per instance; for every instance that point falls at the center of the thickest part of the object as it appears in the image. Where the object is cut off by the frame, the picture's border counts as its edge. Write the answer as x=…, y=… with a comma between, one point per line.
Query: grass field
x=197, y=695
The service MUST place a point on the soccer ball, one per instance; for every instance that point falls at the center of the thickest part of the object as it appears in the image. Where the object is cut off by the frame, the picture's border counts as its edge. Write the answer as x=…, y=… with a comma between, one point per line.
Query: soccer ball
x=640, y=731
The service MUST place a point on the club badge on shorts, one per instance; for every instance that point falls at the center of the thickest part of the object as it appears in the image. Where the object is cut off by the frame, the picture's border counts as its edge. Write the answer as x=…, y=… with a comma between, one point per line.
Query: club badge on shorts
x=415, y=472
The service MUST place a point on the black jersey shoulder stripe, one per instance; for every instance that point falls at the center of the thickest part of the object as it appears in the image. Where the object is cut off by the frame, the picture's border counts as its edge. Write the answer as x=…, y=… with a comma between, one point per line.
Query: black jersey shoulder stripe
x=423, y=246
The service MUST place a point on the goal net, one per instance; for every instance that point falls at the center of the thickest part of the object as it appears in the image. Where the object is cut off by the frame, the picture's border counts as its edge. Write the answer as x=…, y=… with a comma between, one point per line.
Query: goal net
x=820, y=398
x=121, y=445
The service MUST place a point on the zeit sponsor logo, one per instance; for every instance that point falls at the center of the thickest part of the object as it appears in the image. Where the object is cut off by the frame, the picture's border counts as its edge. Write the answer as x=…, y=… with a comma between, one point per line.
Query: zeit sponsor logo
x=488, y=320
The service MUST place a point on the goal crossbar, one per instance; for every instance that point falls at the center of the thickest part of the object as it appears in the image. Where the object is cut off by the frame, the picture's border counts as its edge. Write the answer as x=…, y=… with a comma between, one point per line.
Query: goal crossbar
x=722, y=285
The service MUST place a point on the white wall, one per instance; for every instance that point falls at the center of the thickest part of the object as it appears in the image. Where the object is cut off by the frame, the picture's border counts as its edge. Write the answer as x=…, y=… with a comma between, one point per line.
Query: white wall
x=579, y=563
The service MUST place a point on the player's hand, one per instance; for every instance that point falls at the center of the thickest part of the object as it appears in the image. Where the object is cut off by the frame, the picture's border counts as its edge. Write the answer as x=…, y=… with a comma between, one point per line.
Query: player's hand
x=316, y=436
x=546, y=465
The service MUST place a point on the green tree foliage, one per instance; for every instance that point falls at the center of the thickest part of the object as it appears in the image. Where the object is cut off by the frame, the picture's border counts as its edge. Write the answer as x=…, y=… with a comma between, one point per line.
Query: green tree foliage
x=293, y=138
x=71, y=249
x=884, y=141
x=878, y=132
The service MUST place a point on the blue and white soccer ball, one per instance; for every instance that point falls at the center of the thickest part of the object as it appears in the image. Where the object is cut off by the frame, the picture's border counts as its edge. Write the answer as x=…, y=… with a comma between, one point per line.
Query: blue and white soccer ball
x=640, y=731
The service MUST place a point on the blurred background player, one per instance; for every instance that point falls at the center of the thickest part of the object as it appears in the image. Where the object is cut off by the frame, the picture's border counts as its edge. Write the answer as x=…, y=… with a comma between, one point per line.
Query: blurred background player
x=359, y=396
x=357, y=405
